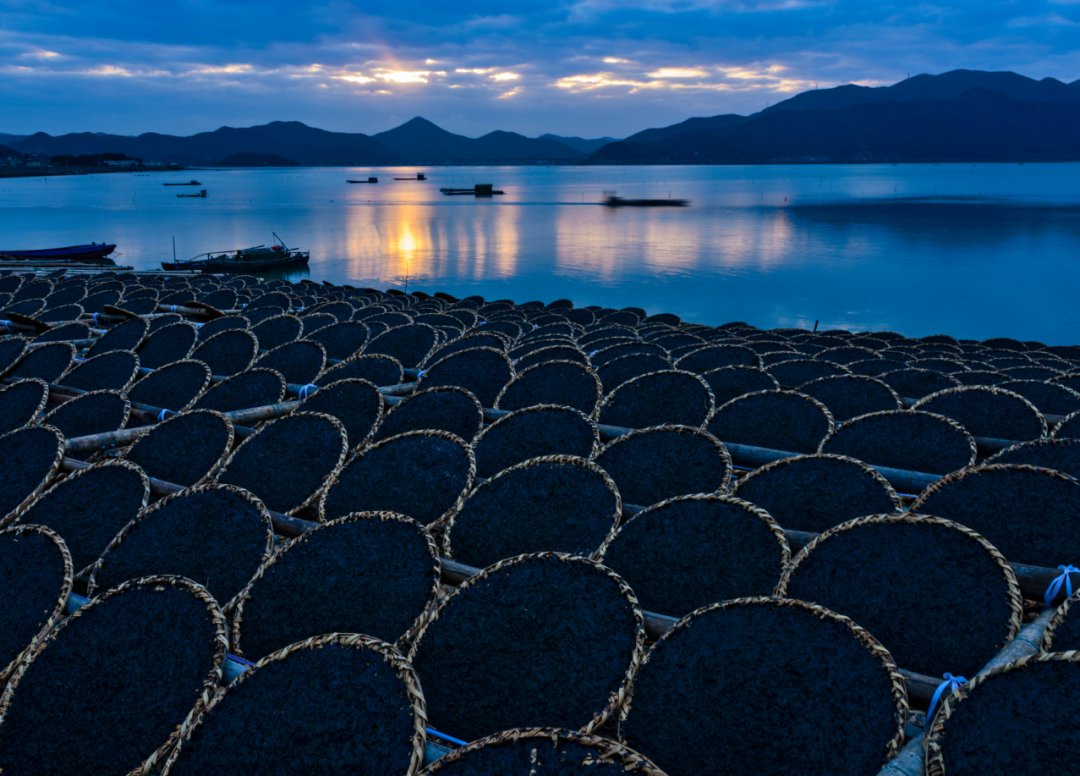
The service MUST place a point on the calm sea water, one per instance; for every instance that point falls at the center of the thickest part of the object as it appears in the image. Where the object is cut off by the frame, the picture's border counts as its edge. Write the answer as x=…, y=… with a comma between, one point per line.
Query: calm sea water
x=969, y=250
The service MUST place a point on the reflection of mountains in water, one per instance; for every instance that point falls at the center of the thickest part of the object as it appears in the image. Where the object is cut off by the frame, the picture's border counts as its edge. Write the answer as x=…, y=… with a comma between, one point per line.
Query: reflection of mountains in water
x=960, y=221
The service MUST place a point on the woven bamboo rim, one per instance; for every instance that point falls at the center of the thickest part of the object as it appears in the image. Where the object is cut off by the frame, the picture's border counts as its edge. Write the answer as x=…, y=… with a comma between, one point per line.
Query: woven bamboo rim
x=112, y=353
x=586, y=368
x=329, y=479
x=447, y=525
x=678, y=429
x=882, y=655
x=502, y=354
x=136, y=346
x=22, y=354
x=201, y=391
x=306, y=342
x=123, y=397
x=905, y=413
x=205, y=345
x=568, y=346
x=950, y=378
x=264, y=517
x=711, y=346
x=184, y=324
x=617, y=339
x=290, y=316
x=933, y=760
x=1016, y=601
x=244, y=595
x=757, y=369
x=470, y=477
x=1070, y=418
x=206, y=478
x=1044, y=442
x=610, y=398
x=161, y=582
x=598, y=353
x=811, y=399
x=1056, y=621
x=374, y=426
x=18, y=511
x=65, y=591
x=440, y=388
x=434, y=345
x=619, y=697
x=360, y=357
x=36, y=415
x=886, y=386
x=952, y=477
x=863, y=467
x=870, y=353
x=530, y=342
x=540, y=408
x=607, y=750
x=49, y=346
x=986, y=389
x=843, y=369
x=281, y=377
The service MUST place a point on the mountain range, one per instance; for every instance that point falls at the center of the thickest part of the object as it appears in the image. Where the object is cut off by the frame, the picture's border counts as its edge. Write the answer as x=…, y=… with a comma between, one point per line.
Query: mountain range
x=962, y=115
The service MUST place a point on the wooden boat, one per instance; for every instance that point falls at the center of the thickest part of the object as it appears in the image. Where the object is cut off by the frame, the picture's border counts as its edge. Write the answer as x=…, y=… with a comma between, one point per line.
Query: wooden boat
x=613, y=201
x=73, y=253
x=419, y=177
x=369, y=180
x=480, y=190
x=200, y=194
x=191, y=182
x=246, y=260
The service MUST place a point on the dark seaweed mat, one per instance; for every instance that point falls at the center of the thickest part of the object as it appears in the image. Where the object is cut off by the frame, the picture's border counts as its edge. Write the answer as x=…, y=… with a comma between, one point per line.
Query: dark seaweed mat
x=1060, y=454
x=716, y=357
x=874, y=367
x=253, y=388
x=332, y=710
x=1068, y=428
x=904, y=439
x=66, y=312
x=1050, y=399
x=979, y=377
x=765, y=689
x=556, y=382
x=126, y=336
x=1018, y=723
x=476, y=339
x=356, y=403
x=166, y=319
x=917, y=383
x=420, y=476
x=377, y=370
x=658, y=398
x=172, y=387
x=409, y=344
x=987, y=414
x=93, y=413
x=537, y=757
x=815, y=493
x=166, y=345
x=446, y=409
x=670, y=555
x=541, y=642
x=30, y=454
x=617, y=371
x=276, y=331
x=95, y=303
x=218, y=325
x=89, y=510
x=728, y=383
x=771, y=419
x=849, y=396
x=108, y=372
x=1065, y=636
x=172, y=539
x=19, y=405
x=306, y=447
x=69, y=331
x=531, y=434
x=481, y=371
x=608, y=354
x=222, y=299
x=181, y=450
x=96, y=660
x=298, y=362
x=530, y=346
x=46, y=363
x=341, y=340
x=792, y=374
x=551, y=353
x=32, y=578
x=1031, y=516
x=365, y=575
x=139, y=306
x=11, y=350
x=227, y=353
x=64, y=296
x=342, y=311
x=261, y=314
x=928, y=622
x=273, y=299
x=662, y=463
x=558, y=507
x=1032, y=372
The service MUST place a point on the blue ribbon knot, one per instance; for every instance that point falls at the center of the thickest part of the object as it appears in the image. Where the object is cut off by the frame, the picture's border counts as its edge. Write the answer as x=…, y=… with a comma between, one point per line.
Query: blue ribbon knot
x=953, y=683
x=1059, y=580
x=161, y=416
x=306, y=389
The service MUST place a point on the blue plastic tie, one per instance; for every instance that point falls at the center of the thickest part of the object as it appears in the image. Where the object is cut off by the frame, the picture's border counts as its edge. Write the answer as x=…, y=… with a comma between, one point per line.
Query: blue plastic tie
x=161, y=416
x=420, y=374
x=535, y=327
x=480, y=323
x=593, y=353
x=95, y=318
x=444, y=737
x=953, y=683
x=1055, y=586
x=306, y=389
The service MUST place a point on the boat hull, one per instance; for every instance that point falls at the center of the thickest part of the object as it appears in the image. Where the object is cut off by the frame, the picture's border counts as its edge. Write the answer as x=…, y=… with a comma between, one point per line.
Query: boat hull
x=74, y=253
x=239, y=267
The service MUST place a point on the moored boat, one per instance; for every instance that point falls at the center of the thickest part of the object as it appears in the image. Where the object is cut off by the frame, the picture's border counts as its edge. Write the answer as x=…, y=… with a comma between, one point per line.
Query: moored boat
x=191, y=182
x=72, y=253
x=613, y=201
x=245, y=260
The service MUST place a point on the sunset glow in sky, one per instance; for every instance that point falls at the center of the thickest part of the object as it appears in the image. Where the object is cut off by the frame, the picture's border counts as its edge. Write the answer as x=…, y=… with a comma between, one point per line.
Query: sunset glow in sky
x=576, y=67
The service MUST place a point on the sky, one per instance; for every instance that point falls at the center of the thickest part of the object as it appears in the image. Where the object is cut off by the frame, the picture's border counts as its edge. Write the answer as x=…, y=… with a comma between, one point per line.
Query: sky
x=589, y=68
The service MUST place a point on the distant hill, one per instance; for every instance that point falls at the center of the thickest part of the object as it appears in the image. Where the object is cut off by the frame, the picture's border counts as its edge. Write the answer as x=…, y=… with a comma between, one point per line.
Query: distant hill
x=422, y=140
x=1075, y=83
x=580, y=143
x=713, y=122
x=5, y=152
x=248, y=159
x=10, y=138
x=977, y=125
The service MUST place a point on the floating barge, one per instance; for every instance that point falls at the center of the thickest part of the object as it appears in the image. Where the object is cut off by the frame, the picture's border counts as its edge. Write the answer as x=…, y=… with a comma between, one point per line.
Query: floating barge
x=418, y=177
x=191, y=182
x=201, y=194
x=613, y=201
x=369, y=180
x=479, y=190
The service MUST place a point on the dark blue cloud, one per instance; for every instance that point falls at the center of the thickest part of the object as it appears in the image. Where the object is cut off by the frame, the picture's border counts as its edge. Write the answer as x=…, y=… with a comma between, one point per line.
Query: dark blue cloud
x=586, y=67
